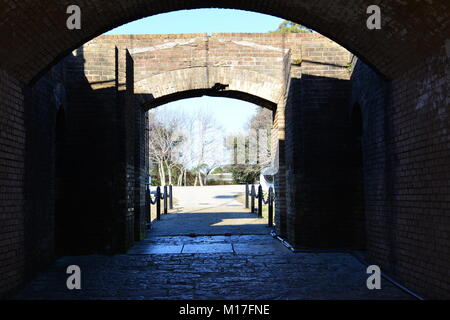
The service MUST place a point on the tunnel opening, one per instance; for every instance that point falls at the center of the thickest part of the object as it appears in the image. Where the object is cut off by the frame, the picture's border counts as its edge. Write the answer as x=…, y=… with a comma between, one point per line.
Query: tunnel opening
x=386, y=181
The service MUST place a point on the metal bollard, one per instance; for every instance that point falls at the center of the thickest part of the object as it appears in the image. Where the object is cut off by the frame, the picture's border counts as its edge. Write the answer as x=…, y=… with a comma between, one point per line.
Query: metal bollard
x=246, y=196
x=165, y=199
x=158, y=203
x=171, y=197
x=260, y=201
x=270, y=207
x=252, y=199
x=149, y=201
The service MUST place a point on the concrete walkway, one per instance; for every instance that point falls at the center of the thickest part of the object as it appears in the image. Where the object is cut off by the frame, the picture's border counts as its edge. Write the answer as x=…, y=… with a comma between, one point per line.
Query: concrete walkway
x=211, y=197
x=210, y=221
x=209, y=210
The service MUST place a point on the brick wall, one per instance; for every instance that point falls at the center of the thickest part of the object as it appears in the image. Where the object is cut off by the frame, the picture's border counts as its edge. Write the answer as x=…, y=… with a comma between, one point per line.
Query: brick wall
x=36, y=41
x=42, y=102
x=407, y=173
x=12, y=183
x=317, y=127
x=405, y=158
x=27, y=169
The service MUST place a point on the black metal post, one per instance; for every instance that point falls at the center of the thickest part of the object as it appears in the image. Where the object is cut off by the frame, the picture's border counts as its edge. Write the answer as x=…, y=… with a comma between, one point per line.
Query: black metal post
x=171, y=197
x=252, y=199
x=158, y=203
x=270, y=207
x=260, y=201
x=149, y=197
x=165, y=199
x=246, y=196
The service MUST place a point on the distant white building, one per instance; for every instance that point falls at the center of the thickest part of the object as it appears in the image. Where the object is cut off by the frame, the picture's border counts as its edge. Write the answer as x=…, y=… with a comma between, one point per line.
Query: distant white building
x=225, y=177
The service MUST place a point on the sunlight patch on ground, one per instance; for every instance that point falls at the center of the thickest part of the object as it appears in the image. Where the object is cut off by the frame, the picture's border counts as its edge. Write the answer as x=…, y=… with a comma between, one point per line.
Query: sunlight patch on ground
x=234, y=222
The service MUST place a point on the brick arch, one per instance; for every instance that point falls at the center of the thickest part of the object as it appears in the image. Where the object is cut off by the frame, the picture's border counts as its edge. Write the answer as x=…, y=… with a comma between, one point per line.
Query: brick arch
x=195, y=93
x=38, y=37
x=247, y=85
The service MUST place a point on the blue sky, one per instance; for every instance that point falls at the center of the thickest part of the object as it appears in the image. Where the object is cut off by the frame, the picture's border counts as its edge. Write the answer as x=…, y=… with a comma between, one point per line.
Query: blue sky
x=200, y=21
x=231, y=113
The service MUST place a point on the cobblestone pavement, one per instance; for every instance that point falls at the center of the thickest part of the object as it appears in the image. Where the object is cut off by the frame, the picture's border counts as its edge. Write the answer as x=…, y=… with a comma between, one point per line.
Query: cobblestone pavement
x=234, y=257
x=256, y=267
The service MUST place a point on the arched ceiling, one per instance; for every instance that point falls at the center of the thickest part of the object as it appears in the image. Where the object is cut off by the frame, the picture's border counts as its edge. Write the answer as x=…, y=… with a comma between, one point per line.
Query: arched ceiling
x=34, y=33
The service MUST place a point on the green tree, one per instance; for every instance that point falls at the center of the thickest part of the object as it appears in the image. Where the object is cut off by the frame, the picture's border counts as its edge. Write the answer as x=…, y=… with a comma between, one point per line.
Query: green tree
x=244, y=173
x=291, y=27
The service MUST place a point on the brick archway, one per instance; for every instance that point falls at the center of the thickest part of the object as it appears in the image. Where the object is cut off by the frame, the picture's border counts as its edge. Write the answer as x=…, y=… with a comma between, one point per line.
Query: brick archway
x=386, y=49
x=246, y=85
x=402, y=90
x=195, y=93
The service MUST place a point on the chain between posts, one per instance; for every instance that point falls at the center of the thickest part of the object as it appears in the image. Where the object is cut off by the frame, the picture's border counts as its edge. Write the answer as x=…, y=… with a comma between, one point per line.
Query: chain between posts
x=251, y=192
x=165, y=196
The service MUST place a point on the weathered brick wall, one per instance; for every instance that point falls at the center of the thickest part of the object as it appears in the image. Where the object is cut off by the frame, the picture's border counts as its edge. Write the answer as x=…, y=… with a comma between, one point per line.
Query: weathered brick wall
x=41, y=105
x=407, y=172
x=96, y=184
x=27, y=171
x=405, y=144
x=12, y=183
x=315, y=144
x=164, y=65
x=34, y=40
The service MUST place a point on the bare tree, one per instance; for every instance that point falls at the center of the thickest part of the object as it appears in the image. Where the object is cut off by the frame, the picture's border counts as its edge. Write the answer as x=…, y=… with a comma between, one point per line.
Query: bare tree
x=208, y=144
x=259, y=130
x=165, y=136
x=180, y=142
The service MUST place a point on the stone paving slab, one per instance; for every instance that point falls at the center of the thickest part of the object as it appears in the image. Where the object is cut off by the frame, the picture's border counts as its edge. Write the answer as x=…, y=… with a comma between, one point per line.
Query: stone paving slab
x=156, y=249
x=256, y=239
x=208, y=248
x=260, y=249
x=256, y=244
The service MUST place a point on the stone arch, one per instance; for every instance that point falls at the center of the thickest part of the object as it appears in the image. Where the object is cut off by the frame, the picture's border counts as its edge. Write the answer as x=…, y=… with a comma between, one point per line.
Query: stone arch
x=390, y=50
x=239, y=95
x=241, y=84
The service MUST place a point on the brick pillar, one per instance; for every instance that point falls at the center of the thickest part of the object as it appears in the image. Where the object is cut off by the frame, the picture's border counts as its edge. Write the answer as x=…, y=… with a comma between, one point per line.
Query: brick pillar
x=127, y=119
x=279, y=160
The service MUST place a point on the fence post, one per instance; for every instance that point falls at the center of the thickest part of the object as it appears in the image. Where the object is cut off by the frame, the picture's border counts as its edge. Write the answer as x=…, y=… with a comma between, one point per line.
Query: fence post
x=149, y=198
x=246, y=196
x=260, y=201
x=165, y=199
x=252, y=199
x=171, y=197
x=270, y=207
x=158, y=203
